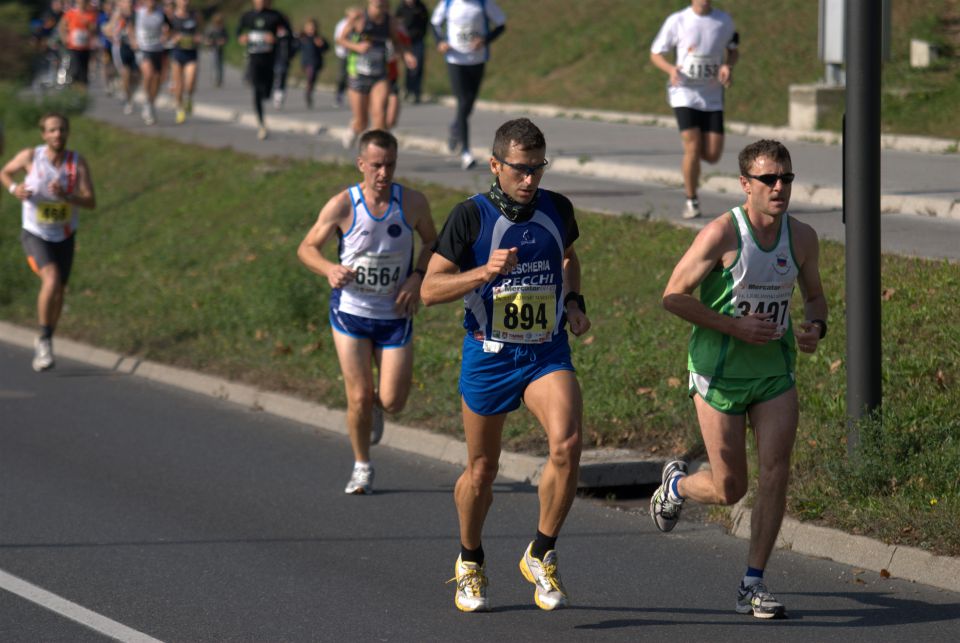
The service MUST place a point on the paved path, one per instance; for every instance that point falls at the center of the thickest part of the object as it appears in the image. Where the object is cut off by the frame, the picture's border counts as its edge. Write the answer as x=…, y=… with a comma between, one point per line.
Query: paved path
x=137, y=509
x=603, y=166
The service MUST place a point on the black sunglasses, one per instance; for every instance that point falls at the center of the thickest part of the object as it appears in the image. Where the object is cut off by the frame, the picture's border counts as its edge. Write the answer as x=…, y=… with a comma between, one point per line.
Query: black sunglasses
x=526, y=170
x=770, y=180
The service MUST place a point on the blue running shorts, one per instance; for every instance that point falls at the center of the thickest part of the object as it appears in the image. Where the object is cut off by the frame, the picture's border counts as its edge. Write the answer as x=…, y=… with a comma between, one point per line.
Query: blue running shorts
x=494, y=383
x=385, y=333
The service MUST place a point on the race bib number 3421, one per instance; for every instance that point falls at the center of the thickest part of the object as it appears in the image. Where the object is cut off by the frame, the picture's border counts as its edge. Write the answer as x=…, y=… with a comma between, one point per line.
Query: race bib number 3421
x=524, y=316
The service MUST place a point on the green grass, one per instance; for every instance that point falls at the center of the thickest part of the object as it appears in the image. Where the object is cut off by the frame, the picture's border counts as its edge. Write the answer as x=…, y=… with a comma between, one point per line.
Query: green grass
x=190, y=260
x=596, y=55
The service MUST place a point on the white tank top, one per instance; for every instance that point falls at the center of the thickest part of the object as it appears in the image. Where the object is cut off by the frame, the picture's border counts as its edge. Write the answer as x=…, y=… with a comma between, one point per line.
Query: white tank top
x=381, y=251
x=44, y=215
x=149, y=29
x=763, y=279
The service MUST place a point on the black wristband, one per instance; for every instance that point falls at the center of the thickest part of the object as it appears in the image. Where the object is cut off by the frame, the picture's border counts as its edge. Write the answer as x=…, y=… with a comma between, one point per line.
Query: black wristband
x=421, y=272
x=577, y=297
x=823, y=326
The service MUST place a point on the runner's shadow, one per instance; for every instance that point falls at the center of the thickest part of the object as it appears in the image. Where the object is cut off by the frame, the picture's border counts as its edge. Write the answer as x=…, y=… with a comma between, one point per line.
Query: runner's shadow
x=506, y=487
x=882, y=609
x=877, y=610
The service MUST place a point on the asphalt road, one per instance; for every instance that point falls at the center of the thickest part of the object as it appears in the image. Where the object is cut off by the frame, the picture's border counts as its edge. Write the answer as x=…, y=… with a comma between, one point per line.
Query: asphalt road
x=186, y=518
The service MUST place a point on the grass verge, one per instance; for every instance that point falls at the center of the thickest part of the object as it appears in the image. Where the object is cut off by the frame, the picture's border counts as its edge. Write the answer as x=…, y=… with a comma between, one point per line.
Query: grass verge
x=190, y=260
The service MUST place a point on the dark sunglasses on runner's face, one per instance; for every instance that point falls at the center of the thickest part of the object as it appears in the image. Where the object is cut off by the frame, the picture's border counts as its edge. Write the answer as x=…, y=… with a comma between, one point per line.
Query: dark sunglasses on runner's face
x=770, y=180
x=525, y=170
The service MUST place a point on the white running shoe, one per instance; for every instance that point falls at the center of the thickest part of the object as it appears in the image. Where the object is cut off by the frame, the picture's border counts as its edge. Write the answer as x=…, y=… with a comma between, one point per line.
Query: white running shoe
x=127, y=107
x=664, y=510
x=550, y=593
x=361, y=481
x=757, y=600
x=262, y=133
x=691, y=210
x=42, y=354
x=376, y=427
x=149, y=116
x=467, y=162
x=471, y=595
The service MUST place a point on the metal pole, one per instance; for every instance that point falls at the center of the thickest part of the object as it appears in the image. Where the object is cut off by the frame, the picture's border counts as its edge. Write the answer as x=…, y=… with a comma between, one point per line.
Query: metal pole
x=861, y=190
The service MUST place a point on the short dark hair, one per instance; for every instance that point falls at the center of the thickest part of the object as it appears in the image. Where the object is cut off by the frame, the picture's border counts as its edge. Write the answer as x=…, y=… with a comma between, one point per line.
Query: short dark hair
x=378, y=137
x=774, y=150
x=49, y=115
x=520, y=131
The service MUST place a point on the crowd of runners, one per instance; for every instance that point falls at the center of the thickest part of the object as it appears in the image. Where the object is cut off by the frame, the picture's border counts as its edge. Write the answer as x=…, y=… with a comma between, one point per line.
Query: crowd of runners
x=507, y=253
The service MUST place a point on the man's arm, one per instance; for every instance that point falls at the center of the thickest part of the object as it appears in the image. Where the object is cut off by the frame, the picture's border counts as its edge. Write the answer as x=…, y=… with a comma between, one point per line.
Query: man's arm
x=344, y=38
x=577, y=318
x=418, y=208
x=814, y=301
x=83, y=195
x=660, y=62
x=725, y=74
x=707, y=251
x=310, y=252
x=444, y=282
x=19, y=163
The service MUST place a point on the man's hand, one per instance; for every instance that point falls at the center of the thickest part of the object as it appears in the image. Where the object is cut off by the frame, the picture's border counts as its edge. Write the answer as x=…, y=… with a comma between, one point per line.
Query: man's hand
x=756, y=328
x=577, y=319
x=809, y=338
x=21, y=192
x=675, y=78
x=725, y=75
x=56, y=189
x=502, y=261
x=443, y=47
x=408, y=297
x=409, y=60
x=340, y=276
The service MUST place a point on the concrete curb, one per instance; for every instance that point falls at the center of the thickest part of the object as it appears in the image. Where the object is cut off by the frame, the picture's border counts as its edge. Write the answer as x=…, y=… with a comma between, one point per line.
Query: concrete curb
x=599, y=468
x=823, y=196
x=908, y=563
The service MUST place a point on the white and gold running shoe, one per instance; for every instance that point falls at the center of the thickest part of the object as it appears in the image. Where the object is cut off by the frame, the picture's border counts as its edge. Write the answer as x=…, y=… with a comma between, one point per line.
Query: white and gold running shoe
x=471, y=594
x=550, y=593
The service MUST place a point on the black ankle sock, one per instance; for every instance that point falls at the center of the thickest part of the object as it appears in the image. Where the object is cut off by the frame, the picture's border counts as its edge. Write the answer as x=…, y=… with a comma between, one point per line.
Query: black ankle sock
x=46, y=332
x=471, y=555
x=542, y=545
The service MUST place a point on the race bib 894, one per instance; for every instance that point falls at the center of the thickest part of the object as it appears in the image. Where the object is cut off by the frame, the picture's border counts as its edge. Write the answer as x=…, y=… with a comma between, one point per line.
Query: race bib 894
x=524, y=315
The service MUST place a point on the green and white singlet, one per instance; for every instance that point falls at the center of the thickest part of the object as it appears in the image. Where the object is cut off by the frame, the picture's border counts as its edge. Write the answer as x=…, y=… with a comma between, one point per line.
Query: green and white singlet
x=759, y=281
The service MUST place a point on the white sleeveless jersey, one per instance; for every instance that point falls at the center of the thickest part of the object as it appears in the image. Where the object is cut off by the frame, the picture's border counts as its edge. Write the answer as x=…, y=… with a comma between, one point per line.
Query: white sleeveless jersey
x=763, y=279
x=44, y=215
x=381, y=252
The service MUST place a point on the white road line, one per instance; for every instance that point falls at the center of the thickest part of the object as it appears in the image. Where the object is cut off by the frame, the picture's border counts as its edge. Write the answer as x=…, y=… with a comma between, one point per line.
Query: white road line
x=72, y=611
